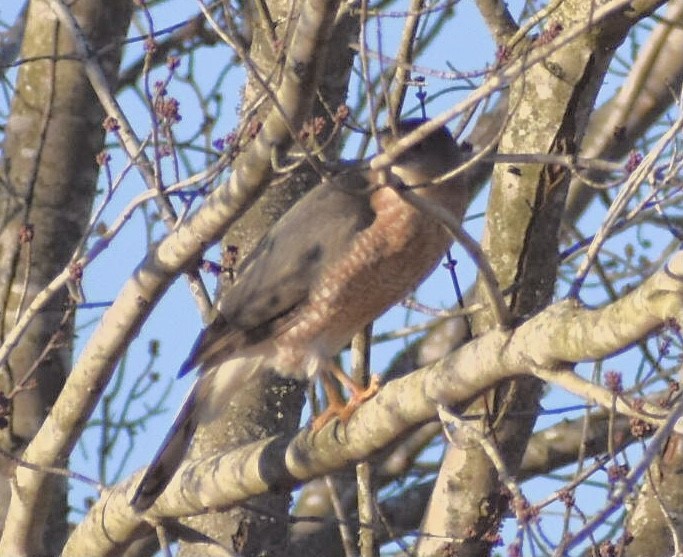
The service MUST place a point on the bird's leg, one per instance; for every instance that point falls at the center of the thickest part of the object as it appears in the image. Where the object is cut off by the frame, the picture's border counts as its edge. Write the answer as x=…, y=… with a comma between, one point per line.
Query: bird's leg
x=359, y=393
x=335, y=404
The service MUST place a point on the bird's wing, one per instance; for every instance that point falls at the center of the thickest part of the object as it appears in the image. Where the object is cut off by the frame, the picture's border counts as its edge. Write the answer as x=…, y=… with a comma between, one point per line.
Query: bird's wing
x=275, y=279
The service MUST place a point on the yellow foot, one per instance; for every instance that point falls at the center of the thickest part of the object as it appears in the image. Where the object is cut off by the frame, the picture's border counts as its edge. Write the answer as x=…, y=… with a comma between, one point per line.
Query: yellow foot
x=344, y=411
x=358, y=397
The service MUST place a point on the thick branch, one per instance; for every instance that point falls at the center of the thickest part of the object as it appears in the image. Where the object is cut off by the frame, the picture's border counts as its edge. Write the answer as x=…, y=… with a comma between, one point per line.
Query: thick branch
x=548, y=341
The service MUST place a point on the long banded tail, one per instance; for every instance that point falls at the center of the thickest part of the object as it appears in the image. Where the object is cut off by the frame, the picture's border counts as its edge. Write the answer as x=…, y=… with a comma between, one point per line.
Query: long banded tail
x=171, y=453
x=210, y=393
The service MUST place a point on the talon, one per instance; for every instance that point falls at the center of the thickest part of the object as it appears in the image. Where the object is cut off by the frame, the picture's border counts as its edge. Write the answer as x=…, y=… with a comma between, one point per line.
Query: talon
x=358, y=396
x=322, y=419
x=336, y=406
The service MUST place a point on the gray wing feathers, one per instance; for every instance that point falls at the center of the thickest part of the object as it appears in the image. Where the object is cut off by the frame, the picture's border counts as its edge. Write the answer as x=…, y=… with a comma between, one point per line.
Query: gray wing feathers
x=277, y=276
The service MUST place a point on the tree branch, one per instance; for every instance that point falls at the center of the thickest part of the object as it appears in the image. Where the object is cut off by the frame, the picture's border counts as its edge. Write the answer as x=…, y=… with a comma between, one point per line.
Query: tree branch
x=562, y=333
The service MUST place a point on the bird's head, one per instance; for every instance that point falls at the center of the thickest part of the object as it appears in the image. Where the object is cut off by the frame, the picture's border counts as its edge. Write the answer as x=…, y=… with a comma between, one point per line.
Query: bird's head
x=427, y=159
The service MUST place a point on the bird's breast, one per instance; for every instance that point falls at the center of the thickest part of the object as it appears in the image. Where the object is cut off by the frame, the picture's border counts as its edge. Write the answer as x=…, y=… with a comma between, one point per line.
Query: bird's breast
x=383, y=263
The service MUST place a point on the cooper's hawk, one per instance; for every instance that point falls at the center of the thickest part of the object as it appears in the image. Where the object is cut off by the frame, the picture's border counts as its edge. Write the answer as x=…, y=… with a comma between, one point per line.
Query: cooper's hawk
x=346, y=252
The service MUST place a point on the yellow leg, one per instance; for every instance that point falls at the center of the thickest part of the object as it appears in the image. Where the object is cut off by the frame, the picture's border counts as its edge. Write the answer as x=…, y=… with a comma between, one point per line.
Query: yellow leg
x=335, y=404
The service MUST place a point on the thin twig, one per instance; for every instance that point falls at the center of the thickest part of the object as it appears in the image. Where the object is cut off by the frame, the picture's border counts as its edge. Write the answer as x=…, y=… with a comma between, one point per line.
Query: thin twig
x=344, y=530
x=628, y=484
x=64, y=472
x=499, y=308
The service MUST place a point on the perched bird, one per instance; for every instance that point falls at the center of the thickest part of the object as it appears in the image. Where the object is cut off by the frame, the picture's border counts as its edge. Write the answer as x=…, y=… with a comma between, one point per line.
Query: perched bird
x=347, y=251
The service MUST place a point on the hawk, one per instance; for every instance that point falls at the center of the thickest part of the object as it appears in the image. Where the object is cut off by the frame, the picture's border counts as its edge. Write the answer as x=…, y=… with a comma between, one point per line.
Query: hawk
x=346, y=252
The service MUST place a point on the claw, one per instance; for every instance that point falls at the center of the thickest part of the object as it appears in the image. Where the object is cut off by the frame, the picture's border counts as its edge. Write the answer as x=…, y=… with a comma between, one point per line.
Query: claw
x=358, y=396
x=336, y=406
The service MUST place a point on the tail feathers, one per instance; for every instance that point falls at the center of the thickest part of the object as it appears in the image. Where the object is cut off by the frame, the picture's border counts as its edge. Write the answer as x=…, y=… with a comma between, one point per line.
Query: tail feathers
x=209, y=394
x=171, y=453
